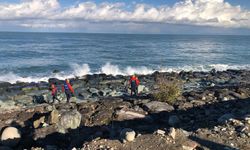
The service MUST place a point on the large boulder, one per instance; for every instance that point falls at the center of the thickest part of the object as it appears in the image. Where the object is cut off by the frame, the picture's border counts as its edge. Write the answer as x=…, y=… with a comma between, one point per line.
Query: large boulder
x=155, y=107
x=142, y=88
x=130, y=115
x=10, y=136
x=54, y=117
x=69, y=120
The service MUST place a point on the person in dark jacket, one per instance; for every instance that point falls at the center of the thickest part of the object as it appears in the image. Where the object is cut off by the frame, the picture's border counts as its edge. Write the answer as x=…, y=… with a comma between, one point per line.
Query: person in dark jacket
x=68, y=89
x=134, y=83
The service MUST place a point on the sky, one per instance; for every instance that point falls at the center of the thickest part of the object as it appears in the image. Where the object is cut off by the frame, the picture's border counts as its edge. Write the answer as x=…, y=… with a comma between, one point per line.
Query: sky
x=129, y=16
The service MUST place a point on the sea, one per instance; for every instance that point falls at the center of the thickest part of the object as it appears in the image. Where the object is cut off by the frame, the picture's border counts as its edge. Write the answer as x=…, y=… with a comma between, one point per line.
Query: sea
x=34, y=57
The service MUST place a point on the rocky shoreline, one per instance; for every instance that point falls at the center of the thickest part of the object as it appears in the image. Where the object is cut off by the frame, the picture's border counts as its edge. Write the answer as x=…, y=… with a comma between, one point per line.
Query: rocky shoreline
x=212, y=112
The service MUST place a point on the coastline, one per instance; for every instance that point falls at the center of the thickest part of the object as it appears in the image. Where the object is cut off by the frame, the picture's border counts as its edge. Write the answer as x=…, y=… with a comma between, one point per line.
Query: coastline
x=213, y=107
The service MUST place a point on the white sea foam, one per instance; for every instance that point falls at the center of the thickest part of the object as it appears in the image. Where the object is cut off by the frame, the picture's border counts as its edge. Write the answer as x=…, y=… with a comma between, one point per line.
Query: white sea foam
x=111, y=69
x=80, y=70
x=13, y=78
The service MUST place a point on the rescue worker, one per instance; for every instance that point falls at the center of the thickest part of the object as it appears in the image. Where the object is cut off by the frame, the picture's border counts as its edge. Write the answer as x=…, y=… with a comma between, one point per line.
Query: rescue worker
x=53, y=89
x=67, y=88
x=134, y=83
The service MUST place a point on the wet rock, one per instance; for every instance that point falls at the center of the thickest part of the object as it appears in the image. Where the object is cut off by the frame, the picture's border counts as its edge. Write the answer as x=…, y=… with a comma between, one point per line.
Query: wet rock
x=155, y=107
x=127, y=135
x=10, y=136
x=173, y=120
x=69, y=120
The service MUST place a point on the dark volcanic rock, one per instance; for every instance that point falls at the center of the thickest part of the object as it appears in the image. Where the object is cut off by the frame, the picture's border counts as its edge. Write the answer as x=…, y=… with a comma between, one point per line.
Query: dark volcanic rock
x=209, y=108
x=4, y=84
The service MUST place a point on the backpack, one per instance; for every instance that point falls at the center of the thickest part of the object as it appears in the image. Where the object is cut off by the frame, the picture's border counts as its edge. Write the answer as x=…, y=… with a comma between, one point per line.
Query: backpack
x=66, y=88
x=133, y=84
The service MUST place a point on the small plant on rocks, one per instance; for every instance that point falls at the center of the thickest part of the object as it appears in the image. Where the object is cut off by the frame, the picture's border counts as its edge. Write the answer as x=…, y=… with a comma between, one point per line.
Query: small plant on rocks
x=168, y=90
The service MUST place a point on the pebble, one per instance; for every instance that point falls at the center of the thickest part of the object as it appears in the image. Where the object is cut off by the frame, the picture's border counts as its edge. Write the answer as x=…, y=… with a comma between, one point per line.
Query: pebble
x=160, y=132
x=172, y=133
x=127, y=135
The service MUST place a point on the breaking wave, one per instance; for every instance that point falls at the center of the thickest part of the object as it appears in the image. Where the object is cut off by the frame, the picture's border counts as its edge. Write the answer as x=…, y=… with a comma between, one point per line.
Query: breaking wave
x=110, y=69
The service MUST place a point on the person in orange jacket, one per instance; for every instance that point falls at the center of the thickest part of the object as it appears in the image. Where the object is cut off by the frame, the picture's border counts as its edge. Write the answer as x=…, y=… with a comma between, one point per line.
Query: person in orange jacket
x=68, y=89
x=53, y=89
x=134, y=83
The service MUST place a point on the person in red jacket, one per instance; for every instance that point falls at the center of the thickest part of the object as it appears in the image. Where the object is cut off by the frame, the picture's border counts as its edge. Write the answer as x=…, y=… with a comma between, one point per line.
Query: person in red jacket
x=53, y=89
x=134, y=83
x=68, y=89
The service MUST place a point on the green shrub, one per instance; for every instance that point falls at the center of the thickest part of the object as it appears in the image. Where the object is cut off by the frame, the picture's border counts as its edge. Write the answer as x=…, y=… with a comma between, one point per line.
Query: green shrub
x=167, y=90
